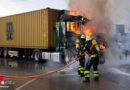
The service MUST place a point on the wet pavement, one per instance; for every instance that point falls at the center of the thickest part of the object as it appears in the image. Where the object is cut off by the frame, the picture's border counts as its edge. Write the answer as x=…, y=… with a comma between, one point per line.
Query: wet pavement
x=65, y=80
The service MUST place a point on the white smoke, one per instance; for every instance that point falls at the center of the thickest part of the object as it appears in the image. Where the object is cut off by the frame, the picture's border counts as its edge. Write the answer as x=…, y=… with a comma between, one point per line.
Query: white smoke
x=120, y=11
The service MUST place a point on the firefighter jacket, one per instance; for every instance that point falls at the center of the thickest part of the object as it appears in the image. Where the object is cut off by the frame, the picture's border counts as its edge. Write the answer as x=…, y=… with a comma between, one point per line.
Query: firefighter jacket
x=91, y=49
x=82, y=48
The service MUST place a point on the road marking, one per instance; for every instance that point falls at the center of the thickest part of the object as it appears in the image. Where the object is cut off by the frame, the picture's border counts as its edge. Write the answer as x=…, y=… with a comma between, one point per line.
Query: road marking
x=25, y=84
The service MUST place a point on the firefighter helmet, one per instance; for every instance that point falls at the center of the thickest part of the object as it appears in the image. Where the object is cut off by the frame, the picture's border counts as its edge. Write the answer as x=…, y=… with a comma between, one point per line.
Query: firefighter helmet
x=94, y=42
x=77, y=41
x=82, y=36
x=88, y=38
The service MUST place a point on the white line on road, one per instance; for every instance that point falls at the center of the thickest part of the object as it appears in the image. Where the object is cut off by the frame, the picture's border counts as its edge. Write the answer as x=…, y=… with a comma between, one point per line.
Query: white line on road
x=25, y=84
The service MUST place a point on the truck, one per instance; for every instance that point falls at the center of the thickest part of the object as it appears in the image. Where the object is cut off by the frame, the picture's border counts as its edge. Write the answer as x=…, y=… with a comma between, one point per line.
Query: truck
x=28, y=34
x=39, y=34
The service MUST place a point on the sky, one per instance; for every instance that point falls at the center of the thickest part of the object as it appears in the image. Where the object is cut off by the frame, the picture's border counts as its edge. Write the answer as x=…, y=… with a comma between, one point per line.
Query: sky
x=120, y=8
x=10, y=7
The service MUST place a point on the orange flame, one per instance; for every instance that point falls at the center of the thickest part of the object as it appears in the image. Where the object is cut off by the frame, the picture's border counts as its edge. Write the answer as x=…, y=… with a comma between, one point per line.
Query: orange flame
x=87, y=31
x=67, y=27
x=73, y=13
x=73, y=27
x=102, y=47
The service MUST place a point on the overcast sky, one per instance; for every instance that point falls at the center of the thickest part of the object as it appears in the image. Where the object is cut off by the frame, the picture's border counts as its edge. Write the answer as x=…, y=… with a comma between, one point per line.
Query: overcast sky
x=9, y=7
x=120, y=9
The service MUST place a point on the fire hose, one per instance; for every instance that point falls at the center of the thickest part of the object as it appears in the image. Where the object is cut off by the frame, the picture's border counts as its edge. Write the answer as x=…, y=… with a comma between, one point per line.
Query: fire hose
x=48, y=73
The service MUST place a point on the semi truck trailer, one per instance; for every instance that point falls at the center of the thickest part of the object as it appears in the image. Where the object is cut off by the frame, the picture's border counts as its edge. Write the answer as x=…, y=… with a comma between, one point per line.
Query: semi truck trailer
x=28, y=34
x=40, y=34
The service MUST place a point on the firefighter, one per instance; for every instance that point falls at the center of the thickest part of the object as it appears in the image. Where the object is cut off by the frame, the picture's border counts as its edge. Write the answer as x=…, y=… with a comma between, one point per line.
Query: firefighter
x=80, y=48
x=93, y=52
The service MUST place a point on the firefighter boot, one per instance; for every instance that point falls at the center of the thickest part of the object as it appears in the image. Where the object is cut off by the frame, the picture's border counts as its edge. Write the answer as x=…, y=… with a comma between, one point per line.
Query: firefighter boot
x=86, y=79
x=87, y=76
x=81, y=71
x=96, y=75
x=96, y=78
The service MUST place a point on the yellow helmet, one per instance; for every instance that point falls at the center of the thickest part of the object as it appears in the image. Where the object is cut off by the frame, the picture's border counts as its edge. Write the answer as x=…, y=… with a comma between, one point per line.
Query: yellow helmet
x=82, y=36
x=88, y=38
x=77, y=41
x=94, y=42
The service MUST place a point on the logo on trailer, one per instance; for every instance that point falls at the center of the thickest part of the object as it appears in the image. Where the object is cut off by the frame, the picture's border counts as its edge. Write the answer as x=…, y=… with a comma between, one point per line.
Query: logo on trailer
x=10, y=30
x=2, y=81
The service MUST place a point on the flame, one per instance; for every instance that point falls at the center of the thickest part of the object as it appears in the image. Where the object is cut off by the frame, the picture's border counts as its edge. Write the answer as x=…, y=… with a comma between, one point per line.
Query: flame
x=102, y=47
x=67, y=27
x=87, y=31
x=82, y=18
x=73, y=27
x=73, y=13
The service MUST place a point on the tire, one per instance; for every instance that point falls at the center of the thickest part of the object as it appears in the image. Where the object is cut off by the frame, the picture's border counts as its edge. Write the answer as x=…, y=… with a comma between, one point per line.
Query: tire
x=5, y=52
x=28, y=55
x=1, y=52
x=37, y=55
x=20, y=55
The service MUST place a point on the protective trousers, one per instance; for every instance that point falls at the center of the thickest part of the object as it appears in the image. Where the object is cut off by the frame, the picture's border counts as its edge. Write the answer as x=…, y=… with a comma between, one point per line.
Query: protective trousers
x=82, y=59
x=81, y=68
x=94, y=60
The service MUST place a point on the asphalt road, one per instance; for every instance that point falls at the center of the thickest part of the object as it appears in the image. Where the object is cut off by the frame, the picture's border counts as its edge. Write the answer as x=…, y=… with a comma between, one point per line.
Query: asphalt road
x=65, y=80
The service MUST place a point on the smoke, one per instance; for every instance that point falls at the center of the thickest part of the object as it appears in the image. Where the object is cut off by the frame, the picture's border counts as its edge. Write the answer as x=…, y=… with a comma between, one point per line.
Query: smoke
x=120, y=11
x=96, y=10
x=103, y=14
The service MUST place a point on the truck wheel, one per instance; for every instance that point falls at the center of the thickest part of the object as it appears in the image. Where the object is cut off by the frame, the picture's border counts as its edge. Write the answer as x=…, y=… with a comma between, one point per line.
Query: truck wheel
x=5, y=52
x=37, y=56
x=1, y=52
x=20, y=55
